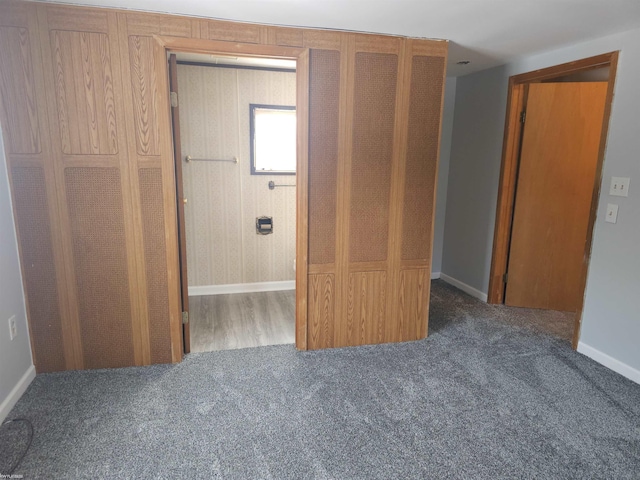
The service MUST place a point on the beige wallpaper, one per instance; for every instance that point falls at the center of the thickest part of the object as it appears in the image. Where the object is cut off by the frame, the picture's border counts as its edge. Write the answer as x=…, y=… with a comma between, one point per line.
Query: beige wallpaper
x=224, y=199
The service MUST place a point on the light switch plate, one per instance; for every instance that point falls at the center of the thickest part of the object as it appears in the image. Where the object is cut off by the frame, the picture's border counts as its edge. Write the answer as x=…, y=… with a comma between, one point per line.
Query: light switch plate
x=619, y=186
x=612, y=213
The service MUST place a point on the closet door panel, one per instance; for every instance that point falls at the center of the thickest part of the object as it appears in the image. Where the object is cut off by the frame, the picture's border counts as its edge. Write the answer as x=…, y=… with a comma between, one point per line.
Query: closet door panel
x=413, y=304
x=31, y=207
x=145, y=92
x=17, y=92
x=84, y=93
x=96, y=212
x=152, y=170
x=324, y=145
x=97, y=196
x=324, y=94
x=321, y=300
x=154, y=231
x=30, y=166
x=366, y=312
x=376, y=77
x=426, y=87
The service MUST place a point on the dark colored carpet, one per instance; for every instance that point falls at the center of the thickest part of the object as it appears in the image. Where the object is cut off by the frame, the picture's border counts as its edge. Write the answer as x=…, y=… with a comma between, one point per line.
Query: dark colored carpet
x=482, y=397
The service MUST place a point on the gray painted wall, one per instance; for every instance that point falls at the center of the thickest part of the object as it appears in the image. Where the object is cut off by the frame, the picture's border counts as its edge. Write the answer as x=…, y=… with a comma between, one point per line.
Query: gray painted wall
x=474, y=170
x=15, y=356
x=611, y=317
x=443, y=173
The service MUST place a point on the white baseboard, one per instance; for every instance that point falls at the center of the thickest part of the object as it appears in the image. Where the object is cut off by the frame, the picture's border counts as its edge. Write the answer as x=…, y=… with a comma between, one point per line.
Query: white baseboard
x=15, y=394
x=610, y=362
x=435, y=275
x=242, y=288
x=464, y=287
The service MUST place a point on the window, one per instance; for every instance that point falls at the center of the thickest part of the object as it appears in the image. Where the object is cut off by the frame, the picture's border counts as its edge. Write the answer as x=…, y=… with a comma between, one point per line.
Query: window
x=273, y=139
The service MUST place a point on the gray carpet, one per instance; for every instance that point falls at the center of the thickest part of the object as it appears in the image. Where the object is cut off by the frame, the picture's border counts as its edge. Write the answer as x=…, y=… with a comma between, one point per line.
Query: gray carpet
x=487, y=395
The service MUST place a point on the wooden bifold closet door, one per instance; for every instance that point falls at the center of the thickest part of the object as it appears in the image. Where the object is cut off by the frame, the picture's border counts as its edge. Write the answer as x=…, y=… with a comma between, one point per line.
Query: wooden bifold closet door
x=89, y=214
x=371, y=189
x=86, y=121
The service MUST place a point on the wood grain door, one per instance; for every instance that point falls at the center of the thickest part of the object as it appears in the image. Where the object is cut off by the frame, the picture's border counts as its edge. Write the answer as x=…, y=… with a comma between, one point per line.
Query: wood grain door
x=553, y=197
x=182, y=243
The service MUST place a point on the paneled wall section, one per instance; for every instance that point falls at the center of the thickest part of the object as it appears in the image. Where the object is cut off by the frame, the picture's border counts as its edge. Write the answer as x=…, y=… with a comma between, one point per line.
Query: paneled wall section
x=86, y=117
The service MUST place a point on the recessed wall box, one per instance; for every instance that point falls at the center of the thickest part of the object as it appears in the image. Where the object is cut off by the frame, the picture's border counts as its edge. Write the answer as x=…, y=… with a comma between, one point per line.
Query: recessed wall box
x=264, y=225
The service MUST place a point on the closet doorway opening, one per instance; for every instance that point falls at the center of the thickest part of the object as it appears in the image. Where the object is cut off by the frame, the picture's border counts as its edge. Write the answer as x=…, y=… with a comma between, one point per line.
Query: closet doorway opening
x=235, y=133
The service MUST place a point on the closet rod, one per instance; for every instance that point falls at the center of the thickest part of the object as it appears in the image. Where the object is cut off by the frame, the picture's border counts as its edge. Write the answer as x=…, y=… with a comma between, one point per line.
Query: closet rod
x=189, y=158
x=273, y=185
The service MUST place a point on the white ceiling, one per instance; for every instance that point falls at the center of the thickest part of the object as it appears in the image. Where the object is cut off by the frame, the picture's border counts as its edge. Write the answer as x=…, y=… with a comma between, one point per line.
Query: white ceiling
x=486, y=32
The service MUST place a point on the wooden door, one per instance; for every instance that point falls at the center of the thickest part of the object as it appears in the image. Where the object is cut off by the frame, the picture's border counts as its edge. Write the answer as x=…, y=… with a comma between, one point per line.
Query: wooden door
x=371, y=189
x=553, y=196
x=182, y=243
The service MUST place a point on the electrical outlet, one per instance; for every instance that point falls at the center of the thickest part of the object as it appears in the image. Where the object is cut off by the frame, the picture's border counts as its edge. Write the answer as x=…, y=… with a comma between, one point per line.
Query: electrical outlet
x=13, y=331
x=619, y=186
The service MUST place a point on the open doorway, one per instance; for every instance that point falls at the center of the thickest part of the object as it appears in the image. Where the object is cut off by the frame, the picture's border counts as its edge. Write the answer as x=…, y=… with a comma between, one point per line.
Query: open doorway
x=234, y=121
x=555, y=135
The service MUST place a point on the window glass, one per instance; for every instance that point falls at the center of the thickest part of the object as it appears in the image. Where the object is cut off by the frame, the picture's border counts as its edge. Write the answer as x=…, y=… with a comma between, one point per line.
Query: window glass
x=273, y=139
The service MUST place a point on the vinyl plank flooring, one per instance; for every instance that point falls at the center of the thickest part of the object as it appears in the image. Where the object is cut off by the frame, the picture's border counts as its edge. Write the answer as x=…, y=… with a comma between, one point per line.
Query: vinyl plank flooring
x=242, y=320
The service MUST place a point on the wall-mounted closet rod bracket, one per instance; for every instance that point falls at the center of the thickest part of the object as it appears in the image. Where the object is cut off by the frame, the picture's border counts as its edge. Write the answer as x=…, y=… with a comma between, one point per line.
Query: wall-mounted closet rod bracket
x=273, y=185
x=189, y=158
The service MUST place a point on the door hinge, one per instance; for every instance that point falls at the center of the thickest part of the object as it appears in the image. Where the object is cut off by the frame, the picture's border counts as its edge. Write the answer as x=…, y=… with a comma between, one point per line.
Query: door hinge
x=174, y=99
x=185, y=318
x=523, y=116
x=505, y=277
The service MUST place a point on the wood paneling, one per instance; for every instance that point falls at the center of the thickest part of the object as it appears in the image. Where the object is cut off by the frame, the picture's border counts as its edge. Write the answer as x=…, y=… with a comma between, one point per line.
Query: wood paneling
x=84, y=93
x=325, y=39
x=302, y=199
x=86, y=105
x=155, y=263
x=376, y=78
x=321, y=298
x=324, y=95
x=366, y=312
x=426, y=86
x=145, y=79
x=413, y=304
x=232, y=32
x=289, y=37
x=145, y=93
x=147, y=24
x=76, y=19
x=94, y=200
x=36, y=248
x=17, y=92
x=182, y=236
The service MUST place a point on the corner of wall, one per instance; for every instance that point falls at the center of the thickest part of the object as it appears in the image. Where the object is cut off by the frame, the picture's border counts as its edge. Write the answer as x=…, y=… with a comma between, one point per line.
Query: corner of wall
x=16, y=364
x=448, y=108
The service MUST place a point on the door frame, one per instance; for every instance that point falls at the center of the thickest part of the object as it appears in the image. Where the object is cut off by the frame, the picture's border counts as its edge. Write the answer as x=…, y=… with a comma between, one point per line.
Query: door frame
x=301, y=57
x=516, y=102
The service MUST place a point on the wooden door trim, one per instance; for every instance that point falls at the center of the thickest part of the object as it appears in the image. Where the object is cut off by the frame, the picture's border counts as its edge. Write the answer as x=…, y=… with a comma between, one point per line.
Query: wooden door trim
x=220, y=47
x=182, y=247
x=301, y=56
x=508, y=171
